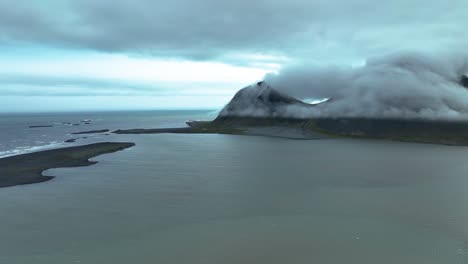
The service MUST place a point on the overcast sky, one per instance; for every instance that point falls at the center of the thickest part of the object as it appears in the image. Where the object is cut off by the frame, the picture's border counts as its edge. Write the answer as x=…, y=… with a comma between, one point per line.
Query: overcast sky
x=138, y=54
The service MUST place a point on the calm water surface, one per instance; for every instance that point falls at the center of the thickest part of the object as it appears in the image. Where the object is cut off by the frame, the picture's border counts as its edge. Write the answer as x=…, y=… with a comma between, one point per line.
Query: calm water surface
x=17, y=137
x=237, y=199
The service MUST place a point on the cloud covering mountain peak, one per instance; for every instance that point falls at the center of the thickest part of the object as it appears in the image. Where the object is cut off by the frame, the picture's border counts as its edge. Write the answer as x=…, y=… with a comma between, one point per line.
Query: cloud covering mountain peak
x=405, y=85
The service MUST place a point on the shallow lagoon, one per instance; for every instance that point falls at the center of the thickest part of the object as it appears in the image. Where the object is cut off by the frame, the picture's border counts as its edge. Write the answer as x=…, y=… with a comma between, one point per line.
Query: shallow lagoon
x=239, y=199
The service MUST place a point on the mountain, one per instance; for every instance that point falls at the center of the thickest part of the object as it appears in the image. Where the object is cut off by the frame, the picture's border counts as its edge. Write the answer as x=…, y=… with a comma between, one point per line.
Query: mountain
x=261, y=110
x=464, y=81
x=260, y=100
x=261, y=106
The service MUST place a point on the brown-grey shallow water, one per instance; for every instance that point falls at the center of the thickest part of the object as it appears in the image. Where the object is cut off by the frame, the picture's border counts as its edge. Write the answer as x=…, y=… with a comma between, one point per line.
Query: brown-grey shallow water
x=176, y=198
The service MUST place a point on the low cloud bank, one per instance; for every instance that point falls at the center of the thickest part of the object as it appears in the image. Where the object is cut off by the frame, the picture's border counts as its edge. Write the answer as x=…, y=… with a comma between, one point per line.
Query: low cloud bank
x=404, y=85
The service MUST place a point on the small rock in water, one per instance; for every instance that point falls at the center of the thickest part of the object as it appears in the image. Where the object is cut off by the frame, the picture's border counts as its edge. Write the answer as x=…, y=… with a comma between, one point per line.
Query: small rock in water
x=70, y=140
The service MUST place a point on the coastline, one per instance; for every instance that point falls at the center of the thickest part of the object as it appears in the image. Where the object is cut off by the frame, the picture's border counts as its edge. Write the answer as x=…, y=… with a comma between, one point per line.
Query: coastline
x=279, y=128
x=264, y=131
x=28, y=168
x=441, y=132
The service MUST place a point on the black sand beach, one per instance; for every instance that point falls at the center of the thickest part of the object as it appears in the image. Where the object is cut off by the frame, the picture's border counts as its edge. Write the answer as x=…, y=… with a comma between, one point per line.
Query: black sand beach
x=28, y=168
x=92, y=132
x=442, y=132
x=267, y=131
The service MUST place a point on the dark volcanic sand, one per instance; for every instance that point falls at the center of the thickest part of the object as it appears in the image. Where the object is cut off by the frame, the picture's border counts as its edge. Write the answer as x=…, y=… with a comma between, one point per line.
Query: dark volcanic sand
x=92, y=132
x=28, y=168
x=444, y=132
x=181, y=130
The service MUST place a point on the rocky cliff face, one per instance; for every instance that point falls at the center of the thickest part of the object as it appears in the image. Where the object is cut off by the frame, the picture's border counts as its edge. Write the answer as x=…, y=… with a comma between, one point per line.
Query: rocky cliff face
x=464, y=81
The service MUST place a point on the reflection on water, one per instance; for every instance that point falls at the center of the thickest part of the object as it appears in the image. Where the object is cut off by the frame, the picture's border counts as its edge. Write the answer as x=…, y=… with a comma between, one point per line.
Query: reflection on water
x=234, y=199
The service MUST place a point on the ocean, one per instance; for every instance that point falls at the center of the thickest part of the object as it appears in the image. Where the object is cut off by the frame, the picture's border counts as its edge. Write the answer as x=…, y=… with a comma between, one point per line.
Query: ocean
x=208, y=198
x=18, y=137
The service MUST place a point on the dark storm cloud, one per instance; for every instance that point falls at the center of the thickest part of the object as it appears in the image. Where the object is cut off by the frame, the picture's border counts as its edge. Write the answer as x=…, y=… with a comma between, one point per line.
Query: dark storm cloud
x=320, y=30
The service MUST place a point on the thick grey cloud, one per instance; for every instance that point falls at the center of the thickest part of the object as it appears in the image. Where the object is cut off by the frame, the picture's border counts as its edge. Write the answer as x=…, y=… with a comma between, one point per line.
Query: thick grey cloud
x=402, y=85
x=414, y=85
x=319, y=30
x=261, y=33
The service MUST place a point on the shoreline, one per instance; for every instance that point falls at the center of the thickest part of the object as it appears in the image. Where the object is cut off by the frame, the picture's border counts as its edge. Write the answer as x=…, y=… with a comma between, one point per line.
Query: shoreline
x=28, y=168
x=265, y=131
x=440, y=132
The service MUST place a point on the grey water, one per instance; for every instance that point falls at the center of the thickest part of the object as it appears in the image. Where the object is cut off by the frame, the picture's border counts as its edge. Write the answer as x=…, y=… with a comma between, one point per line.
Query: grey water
x=17, y=136
x=240, y=199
